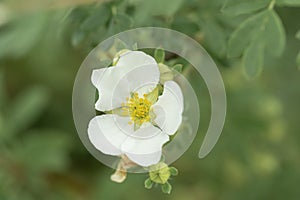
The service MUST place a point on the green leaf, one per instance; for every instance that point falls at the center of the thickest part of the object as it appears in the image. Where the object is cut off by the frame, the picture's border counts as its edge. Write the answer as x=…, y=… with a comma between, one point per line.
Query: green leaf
x=274, y=31
x=173, y=171
x=237, y=7
x=119, y=22
x=185, y=25
x=244, y=34
x=298, y=60
x=26, y=109
x=157, y=7
x=214, y=37
x=77, y=38
x=148, y=183
x=21, y=35
x=257, y=35
x=98, y=18
x=267, y=25
x=253, y=59
x=288, y=3
x=43, y=150
x=159, y=55
x=166, y=188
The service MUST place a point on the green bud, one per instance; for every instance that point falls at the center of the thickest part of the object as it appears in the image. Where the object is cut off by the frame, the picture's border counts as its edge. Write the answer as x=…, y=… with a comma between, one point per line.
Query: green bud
x=134, y=47
x=159, y=173
x=166, y=73
x=164, y=68
x=120, y=45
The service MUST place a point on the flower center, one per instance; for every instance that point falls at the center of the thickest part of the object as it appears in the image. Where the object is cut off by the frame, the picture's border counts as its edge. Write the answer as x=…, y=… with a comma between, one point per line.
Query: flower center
x=138, y=109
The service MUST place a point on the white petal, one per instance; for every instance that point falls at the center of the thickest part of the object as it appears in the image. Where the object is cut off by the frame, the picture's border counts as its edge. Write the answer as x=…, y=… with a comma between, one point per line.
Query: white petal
x=134, y=70
x=134, y=59
x=107, y=81
x=169, y=107
x=146, y=131
x=141, y=70
x=145, y=152
x=143, y=78
x=145, y=160
x=105, y=135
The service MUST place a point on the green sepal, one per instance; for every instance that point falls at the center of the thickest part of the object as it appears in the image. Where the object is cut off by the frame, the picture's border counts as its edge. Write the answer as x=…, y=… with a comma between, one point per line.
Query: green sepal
x=153, y=95
x=159, y=55
x=148, y=183
x=160, y=89
x=173, y=171
x=166, y=188
x=178, y=67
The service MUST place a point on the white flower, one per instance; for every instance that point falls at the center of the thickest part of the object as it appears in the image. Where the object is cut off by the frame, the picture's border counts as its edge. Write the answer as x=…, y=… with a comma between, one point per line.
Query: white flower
x=139, y=123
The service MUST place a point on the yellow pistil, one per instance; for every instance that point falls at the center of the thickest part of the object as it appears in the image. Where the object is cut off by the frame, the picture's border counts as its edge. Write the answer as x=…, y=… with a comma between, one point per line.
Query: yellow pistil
x=138, y=109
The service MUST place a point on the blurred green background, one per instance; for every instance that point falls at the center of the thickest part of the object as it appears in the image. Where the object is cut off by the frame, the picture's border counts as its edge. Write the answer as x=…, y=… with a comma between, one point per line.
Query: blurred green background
x=42, y=44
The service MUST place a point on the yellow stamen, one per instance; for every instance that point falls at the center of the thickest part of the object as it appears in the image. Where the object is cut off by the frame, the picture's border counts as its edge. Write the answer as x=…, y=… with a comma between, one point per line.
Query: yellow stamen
x=138, y=109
